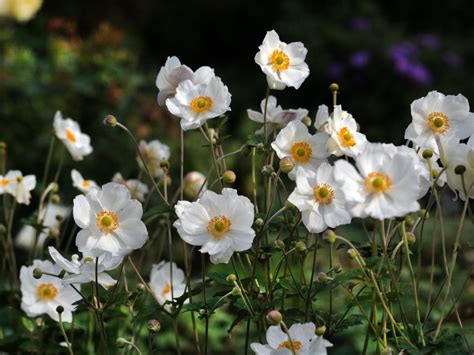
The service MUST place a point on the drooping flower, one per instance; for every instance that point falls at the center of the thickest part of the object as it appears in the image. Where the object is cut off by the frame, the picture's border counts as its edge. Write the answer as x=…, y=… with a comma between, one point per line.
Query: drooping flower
x=80, y=183
x=110, y=221
x=79, y=271
x=68, y=131
x=137, y=189
x=439, y=115
x=153, y=153
x=164, y=285
x=220, y=224
x=193, y=185
x=197, y=103
x=277, y=118
x=173, y=73
x=320, y=199
x=307, y=151
x=44, y=295
x=17, y=185
x=386, y=184
x=284, y=64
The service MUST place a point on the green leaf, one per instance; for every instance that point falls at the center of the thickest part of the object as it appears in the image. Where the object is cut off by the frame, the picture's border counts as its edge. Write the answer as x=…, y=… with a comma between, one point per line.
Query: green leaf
x=28, y=324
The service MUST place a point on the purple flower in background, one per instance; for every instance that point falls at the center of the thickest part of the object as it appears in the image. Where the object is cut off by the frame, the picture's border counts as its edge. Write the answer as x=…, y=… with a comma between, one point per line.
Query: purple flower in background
x=429, y=40
x=452, y=59
x=419, y=74
x=359, y=23
x=360, y=59
x=403, y=50
x=402, y=65
x=335, y=70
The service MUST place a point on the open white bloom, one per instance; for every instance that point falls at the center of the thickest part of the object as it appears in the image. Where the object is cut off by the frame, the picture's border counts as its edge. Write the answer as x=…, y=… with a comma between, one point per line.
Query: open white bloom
x=307, y=151
x=44, y=295
x=161, y=282
x=319, y=346
x=68, y=131
x=20, y=10
x=110, y=221
x=153, y=153
x=220, y=224
x=439, y=115
x=197, y=103
x=342, y=128
x=137, y=189
x=277, y=118
x=193, y=185
x=173, y=73
x=386, y=184
x=279, y=343
x=18, y=186
x=283, y=63
x=79, y=183
x=320, y=199
x=83, y=271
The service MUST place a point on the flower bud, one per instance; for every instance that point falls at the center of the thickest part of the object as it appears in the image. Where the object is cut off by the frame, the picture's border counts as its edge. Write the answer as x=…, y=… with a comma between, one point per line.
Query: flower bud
x=352, y=253
x=411, y=238
x=153, y=326
x=427, y=153
x=337, y=268
x=19, y=178
x=459, y=169
x=110, y=120
x=260, y=147
x=120, y=342
x=409, y=221
x=202, y=311
x=231, y=278
x=300, y=247
x=140, y=288
x=37, y=273
x=168, y=180
x=3, y=146
x=423, y=214
x=330, y=236
x=333, y=87
x=235, y=291
x=55, y=198
x=259, y=222
x=307, y=121
x=267, y=170
x=212, y=135
x=60, y=309
x=193, y=182
x=435, y=173
x=54, y=187
x=229, y=177
x=320, y=330
x=279, y=244
x=286, y=165
x=274, y=317
x=165, y=164
x=322, y=277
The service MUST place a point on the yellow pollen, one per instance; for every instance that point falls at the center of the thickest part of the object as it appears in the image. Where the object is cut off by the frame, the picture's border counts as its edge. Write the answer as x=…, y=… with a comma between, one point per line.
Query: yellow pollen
x=323, y=193
x=5, y=182
x=377, y=182
x=85, y=183
x=70, y=136
x=218, y=227
x=166, y=289
x=346, y=138
x=280, y=61
x=438, y=122
x=201, y=104
x=287, y=345
x=106, y=221
x=88, y=259
x=47, y=292
x=301, y=152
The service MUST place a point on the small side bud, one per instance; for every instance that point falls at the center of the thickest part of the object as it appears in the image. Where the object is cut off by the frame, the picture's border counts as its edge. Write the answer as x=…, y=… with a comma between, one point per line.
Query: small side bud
x=60, y=309
x=19, y=178
x=333, y=87
x=229, y=177
x=110, y=120
x=55, y=198
x=231, y=278
x=329, y=236
x=140, y=288
x=320, y=330
x=259, y=222
x=409, y=221
x=411, y=238
x=279, y=244
x=37, y=273
x=286, y=165
x=274, y=317
x=427, y=153
x=153, y=326
x=300, y=247
x=459, y=169
x=352, y=253
x=235, y=291
x=120, y=342
x=387, y=351
x=423, y=214
x=267, y=170
x=166, y=179
x=337, y=268
x=435, y=173
x=165, y=164
x=307, y=121
x=322, y=277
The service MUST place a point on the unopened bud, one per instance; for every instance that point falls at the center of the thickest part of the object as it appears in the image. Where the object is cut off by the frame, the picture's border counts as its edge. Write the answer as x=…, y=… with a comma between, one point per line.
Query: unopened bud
x=260, y=146
x=352, y=253
x=140, y=288
x=307, y=121
x=121, y=342
x=229, y=177
x=153, y=326
x=427, y=153
x=60, y=309
x=19, y=178
x=165, y=164
x=409, y=221
x=274, y=317
x=320, y=330
x=411, y=238
x=330, y=236
x=279, y=244
x=55, y=198
x=423, y=214
x=259, y=222
x=286, y=165
x=37, y=273
x=267, y=170
x=202, y=311
x=235, y=291
x=322, y=277
x=459, y=169
x=212, y=135
x=300, y=247
x=337, y=268
x=333, y=87
x=231, y=278
x=110, y=120
x=193, y=182
x=167, y=179
x=435, y=173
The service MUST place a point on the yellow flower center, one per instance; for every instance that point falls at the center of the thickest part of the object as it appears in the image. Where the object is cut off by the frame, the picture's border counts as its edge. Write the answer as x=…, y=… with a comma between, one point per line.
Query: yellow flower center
x=377, y=182
x=166, y=289
x=201, y=104
x=280, y=61
x=323, y=193
x=287, y=345
x=346, y=138
x=70, y=136
x=301, y=152
x=47, y=292
x=86, y=183
x=218, y=227
x=5, y=182
x=107, y=221
x=438, y=122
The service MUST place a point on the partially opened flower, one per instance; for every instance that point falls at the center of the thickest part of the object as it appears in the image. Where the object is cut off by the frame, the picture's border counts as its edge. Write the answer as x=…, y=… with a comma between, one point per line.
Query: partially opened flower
x=173, y=73
x=220, y=224
x=110, y=221
x=80, y=183
x=44, y=295
x=386, y=184
x=79, y=271
x=167, y=281
x=320, y=199
x=197, y=103
x=18, y=186
x=307, y=151
x=68, y=131
x=137, y=189
x=153, y=153
x=439, y=115
x=284, y=64
x=279, y=342
x=277, y=118
x=195, y=184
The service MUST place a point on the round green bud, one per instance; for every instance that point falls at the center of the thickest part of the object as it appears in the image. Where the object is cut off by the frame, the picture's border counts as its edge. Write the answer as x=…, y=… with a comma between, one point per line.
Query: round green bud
x=435, y=173
x=121, y=342
x=235, y=291
x=110, y=120
x=423, y=213
x=260, y=146
x=39, y=322
x=322, y=277
x=274, y=317
x=427, y=153
x=337, y=268
x=55, y=198
x=165, y=164
x=37, y=273
x=259, y=222
x=168, y=180
x=19, y=178
x=231, y=278
x=459, y=169
x=54, y=187
x=140, y=288
x=307, y=121
x=202, y=311
x=267, y=170
x=279, y=244
x=409, y=221
x=229, y=177
x=330, y=236
x=411, y=238
x=286, y=165
x=60, y=309
x=333, y=87
x=320, y=330
x=300, y=247
x=352, y=253
x=153, y=326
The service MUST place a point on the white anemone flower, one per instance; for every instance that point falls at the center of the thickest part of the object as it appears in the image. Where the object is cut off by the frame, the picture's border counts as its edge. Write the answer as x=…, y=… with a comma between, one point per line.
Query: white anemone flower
x=307, y=151
x=195, y=184
x=386, y=184
x=68, y=131
x=17, y=185
x=439, y=115
x=197, y=103
x=277, y=118
x=20, y=10
x=44, y=295
x=79, y=271
x=153, y=153
x=319, y=346
x=320, y=199
x=137, y=189
x=173, y=73
x=279, y=342
x=284, y=64
x=110, y=221
x=80, y=183
x=164, y=286
x=220, y=224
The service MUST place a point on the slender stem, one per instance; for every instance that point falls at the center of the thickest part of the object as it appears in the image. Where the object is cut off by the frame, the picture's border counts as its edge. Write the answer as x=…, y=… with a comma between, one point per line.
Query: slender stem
x=206, y=315
x=308, y=298
x=265, y=136
x=48, y=162
x=63, y=331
